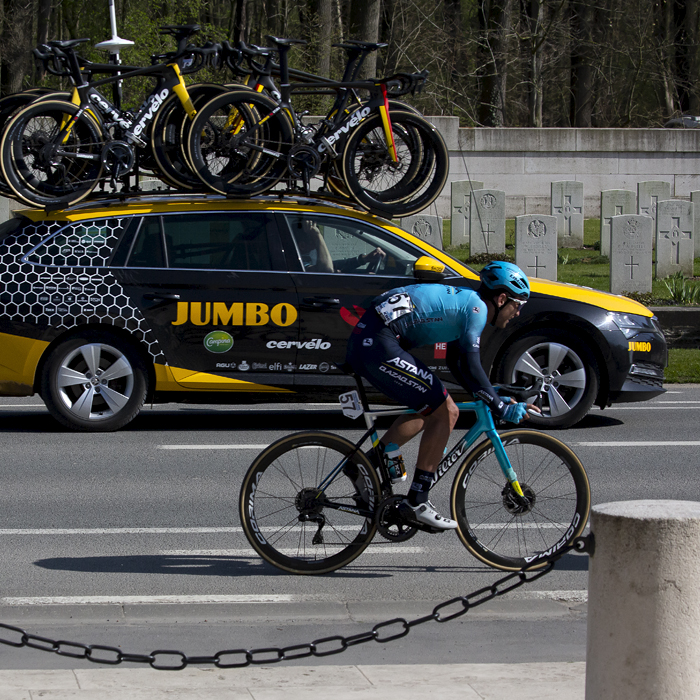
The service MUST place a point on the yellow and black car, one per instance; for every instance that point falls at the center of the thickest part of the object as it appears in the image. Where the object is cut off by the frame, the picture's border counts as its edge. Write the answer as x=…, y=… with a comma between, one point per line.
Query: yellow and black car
x=202, y=299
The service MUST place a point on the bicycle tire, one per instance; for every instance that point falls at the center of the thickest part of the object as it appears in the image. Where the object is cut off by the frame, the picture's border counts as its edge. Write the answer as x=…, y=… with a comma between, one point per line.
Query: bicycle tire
x=547, y=470
x=168, y=131
x=239, y=142
x=377, y=182
x=276, y=492
x=44, y=179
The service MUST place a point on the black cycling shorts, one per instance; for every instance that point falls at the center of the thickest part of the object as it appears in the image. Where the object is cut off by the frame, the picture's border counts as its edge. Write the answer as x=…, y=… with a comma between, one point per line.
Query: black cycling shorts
x=374, y=352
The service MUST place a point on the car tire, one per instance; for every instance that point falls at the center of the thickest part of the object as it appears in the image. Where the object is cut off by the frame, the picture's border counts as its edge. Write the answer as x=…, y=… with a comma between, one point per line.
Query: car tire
x=94, y=382
x=564, y=367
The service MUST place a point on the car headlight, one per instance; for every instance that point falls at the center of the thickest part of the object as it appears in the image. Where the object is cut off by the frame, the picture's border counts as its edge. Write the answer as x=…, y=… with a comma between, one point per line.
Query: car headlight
x=631, y=324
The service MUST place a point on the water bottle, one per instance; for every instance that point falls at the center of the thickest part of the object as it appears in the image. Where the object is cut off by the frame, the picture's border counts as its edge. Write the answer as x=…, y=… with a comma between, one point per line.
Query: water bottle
x=395, y=464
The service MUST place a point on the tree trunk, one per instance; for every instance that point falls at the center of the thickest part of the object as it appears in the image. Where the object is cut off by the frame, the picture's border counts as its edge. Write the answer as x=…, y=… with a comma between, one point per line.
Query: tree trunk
x=581, y=104
x=495, y=22
x=17, y=43
x=364, y=25
x=325, y=32
x=533, y=15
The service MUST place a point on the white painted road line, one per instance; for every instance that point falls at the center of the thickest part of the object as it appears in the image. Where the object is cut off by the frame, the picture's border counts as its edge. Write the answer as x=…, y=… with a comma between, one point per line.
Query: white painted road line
x=639, y=443
x=388, y=549
x=162, y=599
x=212, y=447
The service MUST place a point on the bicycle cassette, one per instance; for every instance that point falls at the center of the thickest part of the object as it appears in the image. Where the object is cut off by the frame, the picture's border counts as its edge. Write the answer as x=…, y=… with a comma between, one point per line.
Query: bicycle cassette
x=391, y=525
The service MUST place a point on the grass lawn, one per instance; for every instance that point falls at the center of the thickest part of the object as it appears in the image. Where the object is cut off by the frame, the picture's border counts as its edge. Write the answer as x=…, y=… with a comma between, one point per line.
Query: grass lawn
x=588, y=268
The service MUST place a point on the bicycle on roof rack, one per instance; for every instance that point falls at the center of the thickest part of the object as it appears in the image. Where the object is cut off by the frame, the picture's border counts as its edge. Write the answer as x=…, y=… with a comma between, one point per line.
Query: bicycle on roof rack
x=391, y=162
x=54, y=152
x=312, y=502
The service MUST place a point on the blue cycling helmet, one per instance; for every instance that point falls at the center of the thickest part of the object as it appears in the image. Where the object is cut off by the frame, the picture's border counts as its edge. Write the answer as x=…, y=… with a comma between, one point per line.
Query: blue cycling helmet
x=500, y=276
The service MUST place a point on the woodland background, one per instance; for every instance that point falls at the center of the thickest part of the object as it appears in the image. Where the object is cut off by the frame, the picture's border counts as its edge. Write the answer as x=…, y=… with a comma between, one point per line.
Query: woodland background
x=537, y=63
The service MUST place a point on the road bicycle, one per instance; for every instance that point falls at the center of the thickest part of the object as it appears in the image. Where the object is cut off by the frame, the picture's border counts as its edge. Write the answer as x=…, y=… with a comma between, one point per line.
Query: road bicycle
x=311, y=502
x=55, y=152
x=394, y=163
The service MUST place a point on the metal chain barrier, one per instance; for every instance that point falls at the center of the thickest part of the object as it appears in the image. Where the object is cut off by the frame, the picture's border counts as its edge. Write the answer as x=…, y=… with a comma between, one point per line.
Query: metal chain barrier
x=382, y=632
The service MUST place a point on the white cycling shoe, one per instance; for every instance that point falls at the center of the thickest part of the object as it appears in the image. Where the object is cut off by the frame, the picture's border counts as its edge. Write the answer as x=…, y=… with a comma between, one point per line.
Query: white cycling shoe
x=425, y=513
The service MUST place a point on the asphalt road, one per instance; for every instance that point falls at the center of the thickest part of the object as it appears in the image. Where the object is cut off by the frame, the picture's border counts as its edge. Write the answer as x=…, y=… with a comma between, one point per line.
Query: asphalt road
x=132, y=538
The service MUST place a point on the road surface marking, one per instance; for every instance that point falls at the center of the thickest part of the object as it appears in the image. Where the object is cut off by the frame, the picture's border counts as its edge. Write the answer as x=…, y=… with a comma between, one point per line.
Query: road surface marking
x=162, y=599
x=639, y=443
x=388, y=549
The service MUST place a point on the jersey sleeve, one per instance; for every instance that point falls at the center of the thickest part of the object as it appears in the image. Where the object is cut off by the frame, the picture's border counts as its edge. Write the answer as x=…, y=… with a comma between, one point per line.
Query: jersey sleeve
x=464, y=360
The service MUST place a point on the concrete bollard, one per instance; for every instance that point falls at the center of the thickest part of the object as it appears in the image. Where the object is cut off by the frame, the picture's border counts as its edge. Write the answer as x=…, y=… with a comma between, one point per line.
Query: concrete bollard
x=644, y=602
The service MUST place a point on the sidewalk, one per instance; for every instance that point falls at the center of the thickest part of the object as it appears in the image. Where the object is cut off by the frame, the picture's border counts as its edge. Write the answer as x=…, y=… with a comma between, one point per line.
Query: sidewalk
x=536, y=681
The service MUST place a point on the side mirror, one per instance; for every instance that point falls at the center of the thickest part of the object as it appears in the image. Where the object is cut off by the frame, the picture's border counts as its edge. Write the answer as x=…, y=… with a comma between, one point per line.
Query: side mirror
x=427, y=269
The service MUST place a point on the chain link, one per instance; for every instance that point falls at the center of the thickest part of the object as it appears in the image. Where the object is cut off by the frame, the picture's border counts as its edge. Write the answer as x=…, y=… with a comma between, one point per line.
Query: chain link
x=383, y=632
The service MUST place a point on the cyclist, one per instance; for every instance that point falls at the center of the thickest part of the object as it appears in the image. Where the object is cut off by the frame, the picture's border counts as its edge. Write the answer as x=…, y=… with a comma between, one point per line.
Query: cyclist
x=424, y=314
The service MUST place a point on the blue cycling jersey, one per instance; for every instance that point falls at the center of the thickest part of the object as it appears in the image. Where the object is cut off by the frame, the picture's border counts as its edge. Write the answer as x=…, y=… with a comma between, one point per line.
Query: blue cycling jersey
x=437, y=313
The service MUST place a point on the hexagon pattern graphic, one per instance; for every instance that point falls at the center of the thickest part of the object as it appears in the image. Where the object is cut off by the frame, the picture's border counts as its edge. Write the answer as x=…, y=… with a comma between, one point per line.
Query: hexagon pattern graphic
x=56, y=276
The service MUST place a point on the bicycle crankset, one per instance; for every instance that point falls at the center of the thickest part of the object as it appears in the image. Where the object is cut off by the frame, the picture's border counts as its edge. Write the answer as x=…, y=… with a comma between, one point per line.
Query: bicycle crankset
x=391, y=524
x=515, y=504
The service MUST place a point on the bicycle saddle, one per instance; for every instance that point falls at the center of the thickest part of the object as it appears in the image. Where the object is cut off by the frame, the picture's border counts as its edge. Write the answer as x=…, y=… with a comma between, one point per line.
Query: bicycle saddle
x=355, y=44
x=67, y=44
x=180, y=31
x=279, y=41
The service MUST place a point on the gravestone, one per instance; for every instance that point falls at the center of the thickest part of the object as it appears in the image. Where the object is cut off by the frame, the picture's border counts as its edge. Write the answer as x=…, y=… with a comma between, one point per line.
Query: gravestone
x=487, y=222
x=536, y=245
x=461, y=205
x=630, y=253
x=649, y=194
x=427, y=228
x=695, y=199
x=675, y=246
x=152, y=185
x=567, y=206
x=614, y=203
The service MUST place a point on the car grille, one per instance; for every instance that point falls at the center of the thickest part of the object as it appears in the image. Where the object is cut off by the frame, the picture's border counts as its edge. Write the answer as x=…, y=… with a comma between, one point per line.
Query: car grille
x=647, y=373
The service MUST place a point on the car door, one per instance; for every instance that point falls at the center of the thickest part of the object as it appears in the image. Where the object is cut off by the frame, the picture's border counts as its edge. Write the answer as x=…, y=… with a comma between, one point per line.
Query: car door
x=335, y=285
x=214, y=289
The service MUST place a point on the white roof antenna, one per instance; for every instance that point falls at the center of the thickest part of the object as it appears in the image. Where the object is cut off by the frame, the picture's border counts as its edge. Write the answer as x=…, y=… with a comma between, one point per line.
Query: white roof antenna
x=116, y=43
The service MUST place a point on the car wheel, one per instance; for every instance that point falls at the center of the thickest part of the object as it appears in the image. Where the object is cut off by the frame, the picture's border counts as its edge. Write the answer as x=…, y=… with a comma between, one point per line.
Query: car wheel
x=94, y=382
x=563, y=367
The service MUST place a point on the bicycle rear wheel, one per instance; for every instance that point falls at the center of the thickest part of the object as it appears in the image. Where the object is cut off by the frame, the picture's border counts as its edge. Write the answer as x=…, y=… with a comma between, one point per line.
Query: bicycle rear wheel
x=402, y=187
x=44, y=168
x=494, y=527
x=282, y=507
x=238, y=143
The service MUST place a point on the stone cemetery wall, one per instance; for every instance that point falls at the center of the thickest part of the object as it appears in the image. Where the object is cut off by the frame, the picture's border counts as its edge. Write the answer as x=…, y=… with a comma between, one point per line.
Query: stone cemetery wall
x=695, y=199
x=536, y=245
x=630, y=253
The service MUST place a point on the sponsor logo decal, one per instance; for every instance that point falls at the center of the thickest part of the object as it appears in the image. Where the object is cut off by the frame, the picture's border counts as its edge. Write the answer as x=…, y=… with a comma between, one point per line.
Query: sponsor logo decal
x=315, y=344
x=290, y=367
x=634, y=346
x=275, y=367
x=415, y=371
x=244, y=366
x=440, y=352
x=308, y=367
x=155, y=102
x=237, y=314
x=259, y=365
x=354, y=120
x=225, y=365
x=218, y=341
x=324, y=367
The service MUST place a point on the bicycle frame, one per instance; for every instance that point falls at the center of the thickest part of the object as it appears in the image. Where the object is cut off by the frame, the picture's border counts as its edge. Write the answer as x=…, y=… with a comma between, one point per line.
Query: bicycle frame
x=484, y=426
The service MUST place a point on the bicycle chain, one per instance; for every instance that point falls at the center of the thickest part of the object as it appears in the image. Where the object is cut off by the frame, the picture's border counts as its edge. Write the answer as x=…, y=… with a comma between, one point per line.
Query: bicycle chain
x=325, y=646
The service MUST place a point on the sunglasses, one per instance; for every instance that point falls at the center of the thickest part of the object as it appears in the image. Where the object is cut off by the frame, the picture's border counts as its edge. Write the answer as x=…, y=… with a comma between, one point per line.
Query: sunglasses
x=518, y=302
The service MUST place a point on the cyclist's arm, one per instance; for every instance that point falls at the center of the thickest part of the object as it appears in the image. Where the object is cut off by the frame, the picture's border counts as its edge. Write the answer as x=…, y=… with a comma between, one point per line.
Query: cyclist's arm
x=466, y=368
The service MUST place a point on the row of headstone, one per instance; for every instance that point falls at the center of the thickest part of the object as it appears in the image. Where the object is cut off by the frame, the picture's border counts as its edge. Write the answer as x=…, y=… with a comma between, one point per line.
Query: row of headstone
x=632, y=236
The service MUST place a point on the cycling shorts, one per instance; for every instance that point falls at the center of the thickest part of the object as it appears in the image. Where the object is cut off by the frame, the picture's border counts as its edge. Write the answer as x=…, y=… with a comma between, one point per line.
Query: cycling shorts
x=375, y=353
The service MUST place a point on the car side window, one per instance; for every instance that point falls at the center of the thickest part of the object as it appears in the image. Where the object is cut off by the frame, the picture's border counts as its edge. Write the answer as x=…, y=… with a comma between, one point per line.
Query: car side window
x=334, y=244
x=218, y=241
x=85, y=244
x=147, y=249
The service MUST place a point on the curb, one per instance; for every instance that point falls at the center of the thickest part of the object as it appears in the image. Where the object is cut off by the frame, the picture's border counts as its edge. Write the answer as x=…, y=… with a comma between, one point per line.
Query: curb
x=680, y=324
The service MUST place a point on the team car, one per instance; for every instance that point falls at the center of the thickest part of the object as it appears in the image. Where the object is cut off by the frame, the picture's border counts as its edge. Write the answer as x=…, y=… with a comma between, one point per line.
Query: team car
x=174, y=298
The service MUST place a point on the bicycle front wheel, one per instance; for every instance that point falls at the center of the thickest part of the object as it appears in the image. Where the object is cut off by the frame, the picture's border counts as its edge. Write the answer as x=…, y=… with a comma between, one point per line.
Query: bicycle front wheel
x=292, y=523
x=499, y=530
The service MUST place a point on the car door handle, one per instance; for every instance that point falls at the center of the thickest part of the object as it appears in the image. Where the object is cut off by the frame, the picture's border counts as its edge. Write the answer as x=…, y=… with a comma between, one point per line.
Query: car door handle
x=319, y=302
x=162, y=297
